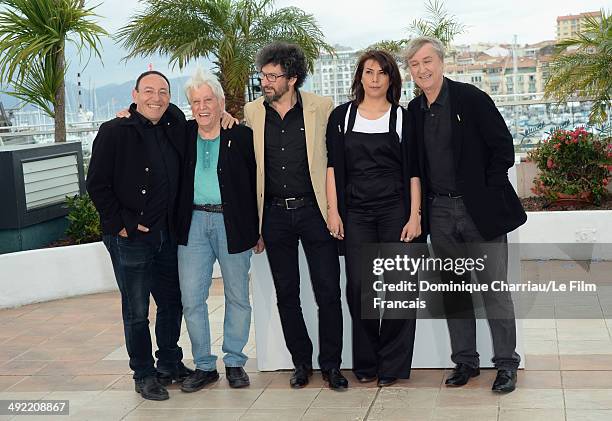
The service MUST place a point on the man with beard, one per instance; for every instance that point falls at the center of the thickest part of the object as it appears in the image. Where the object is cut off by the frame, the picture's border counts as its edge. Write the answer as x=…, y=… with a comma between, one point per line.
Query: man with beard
x=289, y=139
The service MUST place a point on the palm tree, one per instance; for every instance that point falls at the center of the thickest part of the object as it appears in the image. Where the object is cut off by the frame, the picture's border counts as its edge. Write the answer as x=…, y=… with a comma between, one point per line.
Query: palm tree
x=229, y=32
x=582, y=66
x=438, y=23
x=33, y=37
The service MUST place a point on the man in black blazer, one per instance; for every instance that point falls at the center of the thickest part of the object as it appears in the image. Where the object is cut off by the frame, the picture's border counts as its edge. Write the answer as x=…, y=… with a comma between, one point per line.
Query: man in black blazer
x=465, y=152
x=133, y=181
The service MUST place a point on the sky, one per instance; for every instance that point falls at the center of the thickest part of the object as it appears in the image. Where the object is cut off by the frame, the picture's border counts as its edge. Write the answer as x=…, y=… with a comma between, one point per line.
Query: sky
x=354, y=23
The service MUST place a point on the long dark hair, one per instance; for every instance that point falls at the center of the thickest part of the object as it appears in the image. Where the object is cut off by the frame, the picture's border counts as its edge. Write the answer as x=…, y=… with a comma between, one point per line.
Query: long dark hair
x=388, y=66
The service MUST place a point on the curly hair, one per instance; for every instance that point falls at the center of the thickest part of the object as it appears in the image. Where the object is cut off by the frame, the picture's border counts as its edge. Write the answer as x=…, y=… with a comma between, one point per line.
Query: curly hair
x=389, y=67
x=289, y=56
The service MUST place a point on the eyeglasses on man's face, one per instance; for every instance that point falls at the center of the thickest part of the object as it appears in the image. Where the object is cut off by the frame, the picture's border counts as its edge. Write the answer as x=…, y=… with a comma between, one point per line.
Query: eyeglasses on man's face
x=271, y=77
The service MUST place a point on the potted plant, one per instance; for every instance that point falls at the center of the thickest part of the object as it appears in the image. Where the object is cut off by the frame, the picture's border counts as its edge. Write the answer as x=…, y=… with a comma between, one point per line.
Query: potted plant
x=574, y=167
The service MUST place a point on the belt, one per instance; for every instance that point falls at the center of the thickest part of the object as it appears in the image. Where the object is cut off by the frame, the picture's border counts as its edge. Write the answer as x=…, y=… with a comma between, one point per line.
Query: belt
x=209, y=208
x=291, y=202
x=449, y=195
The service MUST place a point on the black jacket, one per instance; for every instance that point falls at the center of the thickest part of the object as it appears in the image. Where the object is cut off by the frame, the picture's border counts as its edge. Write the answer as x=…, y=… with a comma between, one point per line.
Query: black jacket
x=483, y=153
x=336, y=151
x=118, y=177
x=236, y=171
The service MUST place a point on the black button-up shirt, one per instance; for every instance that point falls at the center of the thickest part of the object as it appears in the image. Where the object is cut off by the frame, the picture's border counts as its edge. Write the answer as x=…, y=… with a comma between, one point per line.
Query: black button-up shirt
x=286, y=158
x=438, y=143
x=163, y=176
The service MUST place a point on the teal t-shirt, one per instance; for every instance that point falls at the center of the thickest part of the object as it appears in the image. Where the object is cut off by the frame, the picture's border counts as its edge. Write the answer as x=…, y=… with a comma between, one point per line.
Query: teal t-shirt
x=206, y=183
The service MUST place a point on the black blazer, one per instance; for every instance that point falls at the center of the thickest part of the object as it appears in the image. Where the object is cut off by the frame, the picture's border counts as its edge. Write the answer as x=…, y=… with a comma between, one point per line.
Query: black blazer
x=118, y=170
x=236, y=171
x=336, y=150
x=483, y=152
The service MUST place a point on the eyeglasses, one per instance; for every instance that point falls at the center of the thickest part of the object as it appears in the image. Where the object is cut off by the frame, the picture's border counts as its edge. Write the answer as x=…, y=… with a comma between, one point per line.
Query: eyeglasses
x=270, y=76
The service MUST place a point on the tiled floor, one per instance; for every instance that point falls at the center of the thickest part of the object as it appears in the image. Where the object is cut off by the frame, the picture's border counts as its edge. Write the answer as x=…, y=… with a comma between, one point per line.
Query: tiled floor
x=73, y=349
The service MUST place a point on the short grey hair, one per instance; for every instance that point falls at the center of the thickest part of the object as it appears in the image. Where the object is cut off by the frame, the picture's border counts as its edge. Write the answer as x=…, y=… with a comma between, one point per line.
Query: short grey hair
x=416, y=44
x=202, y=77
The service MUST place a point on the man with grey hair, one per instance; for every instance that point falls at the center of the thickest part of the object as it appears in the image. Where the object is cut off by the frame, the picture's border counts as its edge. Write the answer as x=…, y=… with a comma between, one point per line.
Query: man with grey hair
x=465, y=152
x=217, y=220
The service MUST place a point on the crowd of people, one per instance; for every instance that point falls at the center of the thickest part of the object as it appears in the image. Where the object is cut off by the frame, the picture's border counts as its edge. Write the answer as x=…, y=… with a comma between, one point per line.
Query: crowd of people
x=174, y=196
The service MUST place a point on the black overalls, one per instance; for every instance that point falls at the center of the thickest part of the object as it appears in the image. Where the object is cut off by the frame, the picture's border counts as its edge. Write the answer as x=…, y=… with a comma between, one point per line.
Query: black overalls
x=375, y=214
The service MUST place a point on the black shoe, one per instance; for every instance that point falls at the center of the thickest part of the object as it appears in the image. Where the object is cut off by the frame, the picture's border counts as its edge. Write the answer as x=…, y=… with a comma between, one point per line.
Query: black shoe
x=505, y=381
x=386, y=381
x=461, y=374
x=177, y=375
x=150, y=388
x=237, y=377
x=300, y=376
x=198, y=380
x=365, y=379
x=335, y=379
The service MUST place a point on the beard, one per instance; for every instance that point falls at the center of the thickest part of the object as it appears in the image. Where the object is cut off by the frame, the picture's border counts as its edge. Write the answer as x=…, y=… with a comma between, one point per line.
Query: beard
x=276, y=93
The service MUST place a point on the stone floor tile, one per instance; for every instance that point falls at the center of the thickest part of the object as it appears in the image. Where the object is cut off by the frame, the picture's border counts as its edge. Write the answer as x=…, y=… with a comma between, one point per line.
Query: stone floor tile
x=326, y=414
x=280, y=398
x=462, y=414
x=185, y=414
x=532, y=379
x=531, y=415
x=588, y=415
x=588, y=399
x=541, y=362
x=587, y=379
x=585, y=362
x=349, y=398
x=523, y=398
x=406, y=398
x=462, y=398
x=283, y=414
x=378, y=413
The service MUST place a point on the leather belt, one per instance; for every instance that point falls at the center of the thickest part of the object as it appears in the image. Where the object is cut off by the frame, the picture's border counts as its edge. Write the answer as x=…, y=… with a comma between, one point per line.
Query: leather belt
x=290, y=203
x=449, y=195
x=209, y=208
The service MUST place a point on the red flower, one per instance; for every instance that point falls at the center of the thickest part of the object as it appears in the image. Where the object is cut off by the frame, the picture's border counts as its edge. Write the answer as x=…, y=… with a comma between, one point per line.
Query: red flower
x=605, y=181
x=550, y=163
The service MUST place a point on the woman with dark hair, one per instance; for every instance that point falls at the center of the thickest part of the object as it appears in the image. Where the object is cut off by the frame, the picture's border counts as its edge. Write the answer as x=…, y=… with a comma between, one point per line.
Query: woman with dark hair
x=374, y=196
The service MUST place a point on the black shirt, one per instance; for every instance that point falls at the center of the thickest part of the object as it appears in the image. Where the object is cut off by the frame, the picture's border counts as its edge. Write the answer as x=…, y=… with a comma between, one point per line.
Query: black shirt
x=163, y=172
x=438, y=146
x=286, y=158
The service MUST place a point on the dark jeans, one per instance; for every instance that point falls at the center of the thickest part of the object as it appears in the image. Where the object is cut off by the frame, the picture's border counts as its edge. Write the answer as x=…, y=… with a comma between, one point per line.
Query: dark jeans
x=384, y=347
x=281, y=231
x=143, y=268
x=451, y=227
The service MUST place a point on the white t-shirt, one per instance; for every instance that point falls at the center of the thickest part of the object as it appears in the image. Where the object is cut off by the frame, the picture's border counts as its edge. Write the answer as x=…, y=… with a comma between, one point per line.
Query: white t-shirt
x=380, y=125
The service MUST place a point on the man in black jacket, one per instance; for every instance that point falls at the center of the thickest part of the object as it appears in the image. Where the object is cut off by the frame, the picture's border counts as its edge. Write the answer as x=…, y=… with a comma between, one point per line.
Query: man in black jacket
x=217, y=222
x=465, y=152
x=133, y=181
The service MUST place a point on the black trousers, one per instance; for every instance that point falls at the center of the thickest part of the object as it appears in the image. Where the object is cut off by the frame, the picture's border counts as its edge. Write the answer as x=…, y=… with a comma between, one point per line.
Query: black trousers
x=282, y=230
x=380, y=347
x=453, y=234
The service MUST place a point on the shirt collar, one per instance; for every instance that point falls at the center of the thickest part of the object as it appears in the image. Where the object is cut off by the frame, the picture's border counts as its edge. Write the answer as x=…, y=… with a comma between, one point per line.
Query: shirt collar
x=298, y=103
x=440, y=100
x=145, y=121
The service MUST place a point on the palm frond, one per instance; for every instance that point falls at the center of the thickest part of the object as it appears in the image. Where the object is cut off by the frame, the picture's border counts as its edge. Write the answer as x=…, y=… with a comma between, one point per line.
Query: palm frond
x=582, y=67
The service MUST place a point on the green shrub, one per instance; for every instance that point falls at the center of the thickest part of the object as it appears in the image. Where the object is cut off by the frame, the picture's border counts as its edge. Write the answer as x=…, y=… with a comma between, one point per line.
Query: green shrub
x=573, y=163
x=84, y=220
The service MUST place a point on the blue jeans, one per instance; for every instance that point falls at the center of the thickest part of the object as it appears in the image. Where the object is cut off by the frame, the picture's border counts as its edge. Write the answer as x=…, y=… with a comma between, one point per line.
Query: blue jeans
x=143, y=268
x=208, y=242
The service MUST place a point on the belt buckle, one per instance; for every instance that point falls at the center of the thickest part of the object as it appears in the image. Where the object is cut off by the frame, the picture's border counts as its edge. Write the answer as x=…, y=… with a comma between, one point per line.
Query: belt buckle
x=287, y=203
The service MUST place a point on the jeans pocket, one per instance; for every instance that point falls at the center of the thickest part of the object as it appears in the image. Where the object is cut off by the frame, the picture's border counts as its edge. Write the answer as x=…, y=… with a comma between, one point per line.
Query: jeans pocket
x=132, y=253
